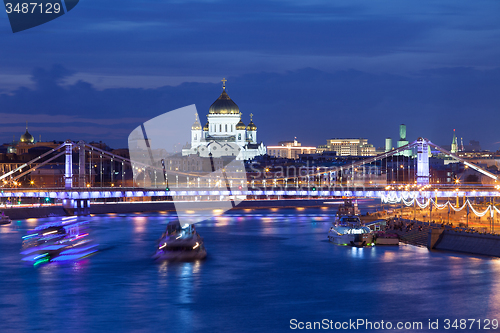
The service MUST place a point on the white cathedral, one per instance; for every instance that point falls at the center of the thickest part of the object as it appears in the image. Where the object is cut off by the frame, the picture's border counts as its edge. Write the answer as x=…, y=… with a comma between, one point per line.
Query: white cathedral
x=224, y=134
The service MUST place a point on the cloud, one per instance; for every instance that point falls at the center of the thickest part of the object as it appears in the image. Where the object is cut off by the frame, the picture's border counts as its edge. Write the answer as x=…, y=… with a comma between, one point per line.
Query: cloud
x=9, y=118
x=49, y=78
x=207, y=38
x=310, y=104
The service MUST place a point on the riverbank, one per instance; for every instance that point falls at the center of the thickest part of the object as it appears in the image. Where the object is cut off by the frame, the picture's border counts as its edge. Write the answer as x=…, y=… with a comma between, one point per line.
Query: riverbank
x=443, y=237
x=158, y=206
x=464, y=241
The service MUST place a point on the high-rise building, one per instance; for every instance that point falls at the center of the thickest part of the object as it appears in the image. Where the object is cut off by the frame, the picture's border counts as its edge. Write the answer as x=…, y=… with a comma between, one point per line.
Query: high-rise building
x=454, y=145
x=403, y=141
x=388, y=144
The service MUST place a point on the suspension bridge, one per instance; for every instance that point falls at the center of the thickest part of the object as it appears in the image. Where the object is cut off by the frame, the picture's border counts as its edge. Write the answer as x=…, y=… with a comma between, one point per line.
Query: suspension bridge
x=93, y=174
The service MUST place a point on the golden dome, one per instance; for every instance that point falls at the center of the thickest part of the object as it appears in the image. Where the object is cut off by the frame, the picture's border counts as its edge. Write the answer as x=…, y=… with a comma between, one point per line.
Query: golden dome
x=224, y=104
x=240, y=125
x=196, y=125
x=205, y=128
x=27, y=137
x=251, y=126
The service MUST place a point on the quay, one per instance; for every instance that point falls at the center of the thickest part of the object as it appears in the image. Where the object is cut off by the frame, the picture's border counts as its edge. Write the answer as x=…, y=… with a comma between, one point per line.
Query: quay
x=153, y=206
x=445, y=237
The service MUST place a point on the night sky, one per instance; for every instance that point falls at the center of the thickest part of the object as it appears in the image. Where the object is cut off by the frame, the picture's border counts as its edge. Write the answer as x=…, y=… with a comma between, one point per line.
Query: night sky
x=312, y=69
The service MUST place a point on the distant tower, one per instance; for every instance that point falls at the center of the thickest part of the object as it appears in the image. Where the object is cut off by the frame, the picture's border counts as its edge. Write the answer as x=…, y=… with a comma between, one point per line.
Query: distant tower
x=454, y=145
x=402, y=140
x=196, y=132
x=422, y=162
x=240, y=131
x=251, y=131
x=388, y=144
x=402, y=132
x=462, y=144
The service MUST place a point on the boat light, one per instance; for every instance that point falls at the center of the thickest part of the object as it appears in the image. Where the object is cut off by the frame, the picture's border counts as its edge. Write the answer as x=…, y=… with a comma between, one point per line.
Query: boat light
x=40, y=256
x=50, y=232
x=197, y=244
x=41, y=261
x=29, y=236
x=79, y=236
x=161, y=247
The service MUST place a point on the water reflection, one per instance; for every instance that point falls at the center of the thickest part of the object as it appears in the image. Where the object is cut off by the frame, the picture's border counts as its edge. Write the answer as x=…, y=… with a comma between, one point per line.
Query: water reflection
x=358, y=252
x=388, y=256
x=140, y=223
x=32, y=222
x=5, y=229
x=260, y=266
x=222, y=221
x=186, y=286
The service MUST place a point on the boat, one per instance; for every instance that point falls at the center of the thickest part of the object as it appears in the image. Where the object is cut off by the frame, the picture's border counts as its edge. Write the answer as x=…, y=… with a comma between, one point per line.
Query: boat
x=180, y=243
x=348, y=208
x=65, y=240
x=384, y=238
x=4, y=219
x=350, y=231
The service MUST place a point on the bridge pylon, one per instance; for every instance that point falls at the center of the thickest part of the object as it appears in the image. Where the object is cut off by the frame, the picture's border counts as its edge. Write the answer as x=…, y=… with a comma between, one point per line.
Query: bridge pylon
x=81, y=163
x=68, y=174
x=422, y=161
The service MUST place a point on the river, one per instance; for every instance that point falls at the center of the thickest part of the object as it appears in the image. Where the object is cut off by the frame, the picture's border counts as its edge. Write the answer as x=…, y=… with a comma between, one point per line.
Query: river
x=265, y=268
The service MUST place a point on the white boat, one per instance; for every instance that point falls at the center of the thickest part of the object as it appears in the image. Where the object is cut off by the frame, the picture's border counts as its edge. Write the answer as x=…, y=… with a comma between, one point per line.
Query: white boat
x=4, y=219
x=65, y=240
x=348, y=208
x=350, y=231
x=180, y=243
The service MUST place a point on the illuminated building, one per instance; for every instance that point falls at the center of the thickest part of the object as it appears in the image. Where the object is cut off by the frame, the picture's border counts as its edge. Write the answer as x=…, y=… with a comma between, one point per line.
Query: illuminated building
x=223, y=129
x=454, y=145
x=27, y=137
x=289, y=149
x=388, y=144
x=27, y=142
x=348, y=147
x=403, y=141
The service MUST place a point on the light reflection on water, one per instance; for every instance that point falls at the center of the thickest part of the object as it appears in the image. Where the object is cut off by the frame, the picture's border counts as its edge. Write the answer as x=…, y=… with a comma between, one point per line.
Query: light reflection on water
x=271, y=265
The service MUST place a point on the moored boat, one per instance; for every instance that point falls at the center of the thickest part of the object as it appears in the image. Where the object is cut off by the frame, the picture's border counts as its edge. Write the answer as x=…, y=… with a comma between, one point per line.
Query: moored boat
x=350, y=231
x=348, y=208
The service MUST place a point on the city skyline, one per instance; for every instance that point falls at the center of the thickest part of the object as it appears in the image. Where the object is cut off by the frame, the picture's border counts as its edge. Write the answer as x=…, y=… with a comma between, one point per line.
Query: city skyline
x=150, y=203
x=310, y=68
x=117, y=137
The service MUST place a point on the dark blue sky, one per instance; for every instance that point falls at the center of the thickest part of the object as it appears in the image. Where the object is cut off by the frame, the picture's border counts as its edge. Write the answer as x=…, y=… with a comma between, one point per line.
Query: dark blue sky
x=312, y=69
